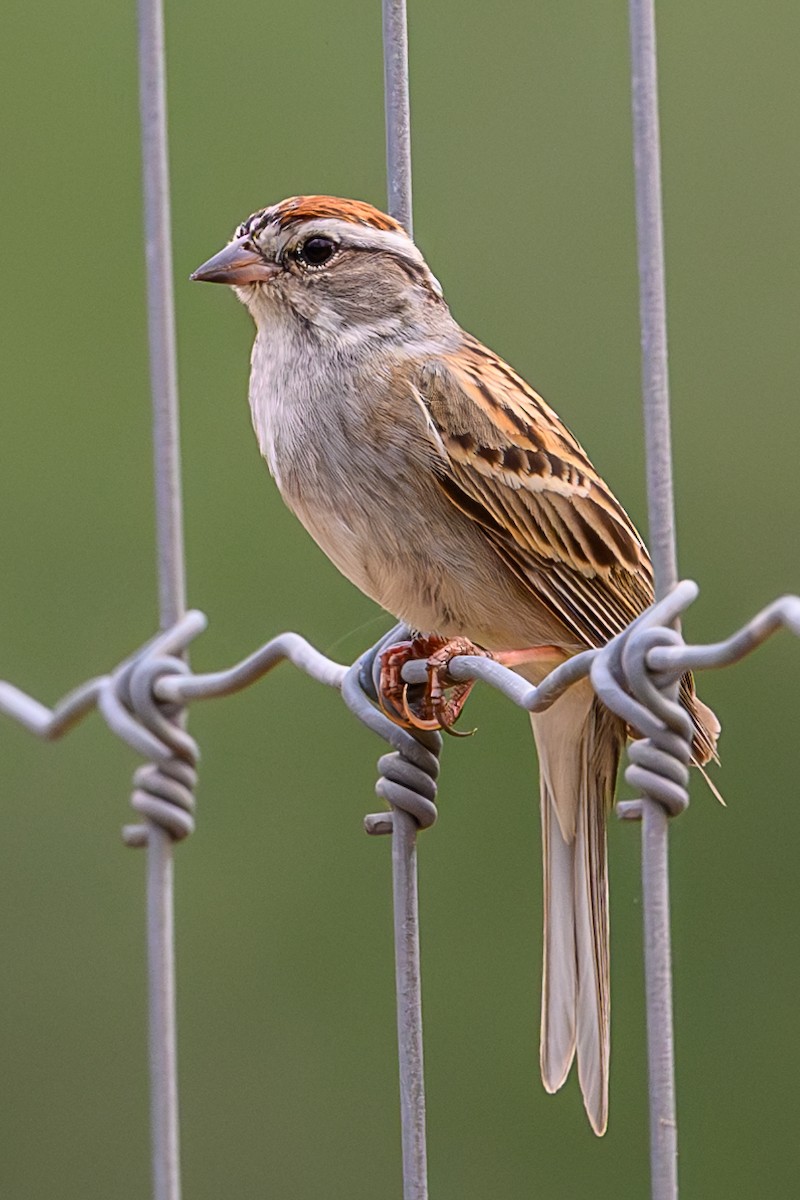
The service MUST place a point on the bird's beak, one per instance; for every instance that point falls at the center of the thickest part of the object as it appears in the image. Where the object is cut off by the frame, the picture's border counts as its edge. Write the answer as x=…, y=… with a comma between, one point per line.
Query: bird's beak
x=238, y=263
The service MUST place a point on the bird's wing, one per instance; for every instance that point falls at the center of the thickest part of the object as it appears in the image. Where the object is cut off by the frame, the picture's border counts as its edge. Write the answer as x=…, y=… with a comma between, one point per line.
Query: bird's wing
x=513, y=467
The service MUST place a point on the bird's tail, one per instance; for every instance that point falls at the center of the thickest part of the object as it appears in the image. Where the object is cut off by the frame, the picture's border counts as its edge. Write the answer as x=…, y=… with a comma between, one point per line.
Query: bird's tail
x=579, y=744
x=706, y=725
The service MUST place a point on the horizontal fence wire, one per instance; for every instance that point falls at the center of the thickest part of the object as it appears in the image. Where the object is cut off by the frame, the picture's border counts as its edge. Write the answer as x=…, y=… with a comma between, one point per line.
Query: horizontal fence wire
x=625, y=670
x=143, y=699
x=397, y=112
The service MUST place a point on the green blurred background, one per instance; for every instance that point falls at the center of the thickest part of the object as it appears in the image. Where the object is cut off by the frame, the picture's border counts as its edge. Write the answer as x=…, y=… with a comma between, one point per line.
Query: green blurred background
x=523, y=205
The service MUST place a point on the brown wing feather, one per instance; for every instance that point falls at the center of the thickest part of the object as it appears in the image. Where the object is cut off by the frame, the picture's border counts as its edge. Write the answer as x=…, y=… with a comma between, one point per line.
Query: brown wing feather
x=515, y=468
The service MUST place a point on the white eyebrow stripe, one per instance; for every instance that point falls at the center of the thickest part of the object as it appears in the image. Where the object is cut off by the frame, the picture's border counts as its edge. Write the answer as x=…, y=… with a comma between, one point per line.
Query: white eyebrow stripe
x=359, y=235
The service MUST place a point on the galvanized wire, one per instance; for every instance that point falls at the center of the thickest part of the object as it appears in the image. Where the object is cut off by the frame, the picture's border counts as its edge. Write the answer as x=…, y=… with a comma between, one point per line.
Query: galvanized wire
x=404, y=826
x=398, y=112
x=171, y=588
x=161, y=313
x=655, y=842
x=408, y=783
x=623, y=673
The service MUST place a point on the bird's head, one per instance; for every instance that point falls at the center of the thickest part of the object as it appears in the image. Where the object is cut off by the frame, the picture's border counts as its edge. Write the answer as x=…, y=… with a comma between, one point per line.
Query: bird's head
x=338, y=266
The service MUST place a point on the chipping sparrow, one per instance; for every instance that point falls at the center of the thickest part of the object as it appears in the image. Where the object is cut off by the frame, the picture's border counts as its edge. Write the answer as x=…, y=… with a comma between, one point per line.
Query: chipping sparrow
x=446, y=489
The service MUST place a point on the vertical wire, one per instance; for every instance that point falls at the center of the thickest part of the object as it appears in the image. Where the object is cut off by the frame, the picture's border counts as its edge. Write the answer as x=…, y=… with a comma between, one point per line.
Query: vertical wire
x=655, y=386
x=398, y=112
x=161, y=314
x=404, y=827
x=171, y=581
x=409, y=1005
x=652, y=296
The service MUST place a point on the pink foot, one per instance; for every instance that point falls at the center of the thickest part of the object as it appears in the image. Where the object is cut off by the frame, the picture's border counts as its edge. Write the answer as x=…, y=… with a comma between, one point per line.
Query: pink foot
x=441, y=704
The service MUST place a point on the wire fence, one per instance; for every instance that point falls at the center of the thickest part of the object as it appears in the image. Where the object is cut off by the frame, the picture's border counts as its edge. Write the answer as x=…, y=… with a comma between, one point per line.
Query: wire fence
x=144, y=699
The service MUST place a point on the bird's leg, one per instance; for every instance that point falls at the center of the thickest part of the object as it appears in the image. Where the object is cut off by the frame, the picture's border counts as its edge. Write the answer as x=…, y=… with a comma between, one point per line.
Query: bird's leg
x=550, y=655
x=440, y=705
x=446, y=709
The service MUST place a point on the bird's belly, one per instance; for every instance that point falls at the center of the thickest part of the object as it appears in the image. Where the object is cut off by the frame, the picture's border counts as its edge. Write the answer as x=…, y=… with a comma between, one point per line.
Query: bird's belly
x=402, y=575
x=436, y=574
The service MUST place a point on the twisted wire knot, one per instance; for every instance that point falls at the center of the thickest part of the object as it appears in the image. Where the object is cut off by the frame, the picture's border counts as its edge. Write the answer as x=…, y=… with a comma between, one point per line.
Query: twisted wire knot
x=647, y=700
x=407, y=776
x=163, y=789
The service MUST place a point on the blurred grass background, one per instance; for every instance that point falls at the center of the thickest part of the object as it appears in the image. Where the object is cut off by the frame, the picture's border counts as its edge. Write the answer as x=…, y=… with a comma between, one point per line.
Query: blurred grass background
x=523, y=205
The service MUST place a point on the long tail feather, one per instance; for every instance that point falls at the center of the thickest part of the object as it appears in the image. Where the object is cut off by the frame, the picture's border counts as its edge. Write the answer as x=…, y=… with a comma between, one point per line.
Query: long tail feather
x=579, y=744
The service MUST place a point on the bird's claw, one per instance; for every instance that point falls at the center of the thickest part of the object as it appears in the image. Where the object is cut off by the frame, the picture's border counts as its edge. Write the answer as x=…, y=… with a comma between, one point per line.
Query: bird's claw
x=441, y=703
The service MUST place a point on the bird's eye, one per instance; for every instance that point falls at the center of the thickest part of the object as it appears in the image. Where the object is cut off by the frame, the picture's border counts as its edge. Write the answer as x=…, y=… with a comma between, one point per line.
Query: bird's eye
x=316, y=251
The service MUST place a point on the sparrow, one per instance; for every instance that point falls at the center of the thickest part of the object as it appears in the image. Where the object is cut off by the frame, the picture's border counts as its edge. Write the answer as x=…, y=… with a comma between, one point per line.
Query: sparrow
x=446, y=489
